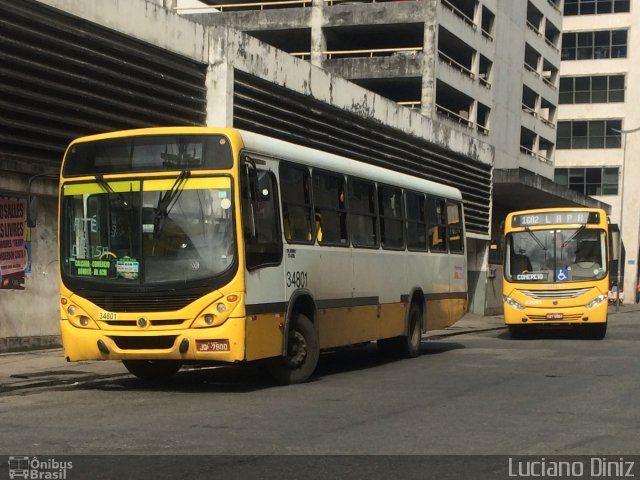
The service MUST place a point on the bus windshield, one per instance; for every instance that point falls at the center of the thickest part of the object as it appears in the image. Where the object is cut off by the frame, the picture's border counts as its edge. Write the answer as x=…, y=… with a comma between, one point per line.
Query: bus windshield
x=556, y=255
x=147, y=232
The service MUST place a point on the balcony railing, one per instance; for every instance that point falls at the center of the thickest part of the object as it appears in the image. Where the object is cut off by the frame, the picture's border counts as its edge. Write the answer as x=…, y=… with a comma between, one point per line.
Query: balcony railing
x=532, y=69
x=247, y=6
x=338, y=2
x=483, y=79
x=487, y=35
x=459, y=13
x=551, y=44
x=454, y=116
x=457, y=66
x=531, y=153
x=412, y=104
x=549, y=83
x=531, y=111
x=368, y=53
x=535, y=29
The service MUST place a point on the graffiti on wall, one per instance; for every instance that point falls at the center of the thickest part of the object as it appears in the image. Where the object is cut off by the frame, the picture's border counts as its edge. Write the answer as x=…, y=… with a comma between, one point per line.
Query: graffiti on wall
x=13, y=243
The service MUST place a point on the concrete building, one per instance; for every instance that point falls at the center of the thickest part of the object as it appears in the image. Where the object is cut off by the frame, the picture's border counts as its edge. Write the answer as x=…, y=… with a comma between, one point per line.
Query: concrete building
x=446, y=58
x=599, y=95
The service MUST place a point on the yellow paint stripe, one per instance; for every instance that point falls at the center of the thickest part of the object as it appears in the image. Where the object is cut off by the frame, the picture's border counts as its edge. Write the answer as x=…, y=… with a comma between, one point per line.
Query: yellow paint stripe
x=149, y=185
x=92, y=188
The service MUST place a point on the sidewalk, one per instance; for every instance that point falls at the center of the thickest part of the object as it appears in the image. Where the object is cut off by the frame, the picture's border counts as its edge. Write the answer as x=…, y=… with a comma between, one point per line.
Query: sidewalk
x=44, y=368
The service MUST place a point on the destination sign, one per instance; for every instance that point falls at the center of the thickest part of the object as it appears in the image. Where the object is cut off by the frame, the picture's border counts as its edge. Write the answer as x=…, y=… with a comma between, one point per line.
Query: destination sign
x=92, y=268
x=555, y=218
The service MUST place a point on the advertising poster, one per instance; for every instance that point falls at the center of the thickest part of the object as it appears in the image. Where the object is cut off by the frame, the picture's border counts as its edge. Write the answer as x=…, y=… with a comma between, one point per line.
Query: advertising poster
x=13, y=253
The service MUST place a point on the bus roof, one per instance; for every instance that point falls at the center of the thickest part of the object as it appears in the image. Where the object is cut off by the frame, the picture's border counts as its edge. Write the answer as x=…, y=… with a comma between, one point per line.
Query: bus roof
x=319, y=159
x=283, y=150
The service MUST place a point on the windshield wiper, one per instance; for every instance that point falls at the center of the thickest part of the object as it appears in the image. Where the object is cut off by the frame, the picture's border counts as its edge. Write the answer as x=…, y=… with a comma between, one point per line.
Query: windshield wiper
x=168, y=200
x=575, y=234
x=107, y=188
x=537, y=240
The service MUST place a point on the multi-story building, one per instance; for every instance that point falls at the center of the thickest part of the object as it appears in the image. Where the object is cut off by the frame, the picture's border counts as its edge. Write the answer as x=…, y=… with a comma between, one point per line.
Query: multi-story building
x=599, y=94
x=489, y=67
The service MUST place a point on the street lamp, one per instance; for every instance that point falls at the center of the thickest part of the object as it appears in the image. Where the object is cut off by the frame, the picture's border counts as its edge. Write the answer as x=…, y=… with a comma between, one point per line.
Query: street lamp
x=623, y=134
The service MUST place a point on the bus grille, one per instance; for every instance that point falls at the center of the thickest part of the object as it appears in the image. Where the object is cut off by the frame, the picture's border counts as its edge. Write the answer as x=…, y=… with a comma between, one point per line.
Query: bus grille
x=555, y=294
x=565, y=318
x=163, y=342
x=134, y=323
x=136, y=303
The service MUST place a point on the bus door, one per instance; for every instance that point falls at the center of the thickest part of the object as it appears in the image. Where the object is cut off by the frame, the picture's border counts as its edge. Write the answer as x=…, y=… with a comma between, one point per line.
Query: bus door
x=265, y=300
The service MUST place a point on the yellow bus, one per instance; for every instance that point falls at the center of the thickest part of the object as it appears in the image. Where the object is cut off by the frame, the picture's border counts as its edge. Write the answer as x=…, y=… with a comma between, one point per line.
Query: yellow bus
x=556, y=269
x=192, y=244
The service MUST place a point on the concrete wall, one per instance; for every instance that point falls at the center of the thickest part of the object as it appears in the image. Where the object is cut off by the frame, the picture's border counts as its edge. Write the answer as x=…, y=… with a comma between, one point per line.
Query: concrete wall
x=29, y=317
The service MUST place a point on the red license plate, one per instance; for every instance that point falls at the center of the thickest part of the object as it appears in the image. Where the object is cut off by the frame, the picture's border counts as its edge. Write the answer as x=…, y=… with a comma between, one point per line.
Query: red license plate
x=213, y=345
x=554, y=316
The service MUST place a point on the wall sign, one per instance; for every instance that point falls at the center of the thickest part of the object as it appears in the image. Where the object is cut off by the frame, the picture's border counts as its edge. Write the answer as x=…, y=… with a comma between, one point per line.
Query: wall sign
x=13, y=248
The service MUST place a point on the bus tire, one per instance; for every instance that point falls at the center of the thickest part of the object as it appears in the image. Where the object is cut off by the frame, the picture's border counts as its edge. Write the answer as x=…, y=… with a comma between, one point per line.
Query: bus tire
x=407, y=346
x=517, y=332
x=411, y=342
x=303, y=352
x=152, y=370
x=596, y=331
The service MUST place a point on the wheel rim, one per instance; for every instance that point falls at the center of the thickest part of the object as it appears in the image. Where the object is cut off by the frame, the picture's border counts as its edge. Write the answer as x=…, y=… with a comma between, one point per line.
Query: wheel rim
x=297, y=349
x=415, y=331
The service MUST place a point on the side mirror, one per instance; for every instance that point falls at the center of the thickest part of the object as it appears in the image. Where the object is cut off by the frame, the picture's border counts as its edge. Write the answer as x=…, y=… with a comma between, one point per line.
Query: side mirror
x=32, y=211
x=614, y=243
x=32, y=200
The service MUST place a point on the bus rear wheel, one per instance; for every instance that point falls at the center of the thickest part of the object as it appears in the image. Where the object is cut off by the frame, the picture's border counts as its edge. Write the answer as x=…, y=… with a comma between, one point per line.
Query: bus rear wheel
x=406, y=345
x=303, y=352
x=152, y=370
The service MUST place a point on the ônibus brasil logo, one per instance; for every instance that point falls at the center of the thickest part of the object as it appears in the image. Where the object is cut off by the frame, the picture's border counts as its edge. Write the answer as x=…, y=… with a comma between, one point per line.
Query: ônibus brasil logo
x=38, y=469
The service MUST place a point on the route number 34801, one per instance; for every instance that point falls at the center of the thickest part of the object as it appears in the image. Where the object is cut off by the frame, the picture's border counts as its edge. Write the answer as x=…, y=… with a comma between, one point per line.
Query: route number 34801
x=297, y=279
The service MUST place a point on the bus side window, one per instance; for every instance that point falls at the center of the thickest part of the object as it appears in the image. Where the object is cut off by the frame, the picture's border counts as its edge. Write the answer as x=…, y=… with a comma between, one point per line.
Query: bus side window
x=391, y=217
x=295, y=186
x=263, y=247
x=330, y=209
x=363, y=215
x=437, y=224
x=416, y=222
x=454, y=227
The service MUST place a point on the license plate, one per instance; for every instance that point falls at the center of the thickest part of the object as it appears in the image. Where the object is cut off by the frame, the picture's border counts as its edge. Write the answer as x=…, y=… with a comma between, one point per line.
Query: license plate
x=554, y=316
x=212, y=345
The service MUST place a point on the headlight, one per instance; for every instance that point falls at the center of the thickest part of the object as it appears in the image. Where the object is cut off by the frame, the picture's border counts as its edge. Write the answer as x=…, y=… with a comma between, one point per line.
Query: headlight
x=512, y=302
x=596, y=301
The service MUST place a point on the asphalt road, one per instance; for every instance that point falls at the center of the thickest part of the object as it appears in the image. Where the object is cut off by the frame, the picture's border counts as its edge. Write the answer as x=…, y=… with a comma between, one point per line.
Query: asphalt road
x=478, y=393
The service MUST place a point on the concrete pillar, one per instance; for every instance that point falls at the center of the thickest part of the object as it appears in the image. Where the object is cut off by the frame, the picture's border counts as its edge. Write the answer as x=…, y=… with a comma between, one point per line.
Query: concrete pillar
x=219, y=81
x=429, y=57
x=318, y=40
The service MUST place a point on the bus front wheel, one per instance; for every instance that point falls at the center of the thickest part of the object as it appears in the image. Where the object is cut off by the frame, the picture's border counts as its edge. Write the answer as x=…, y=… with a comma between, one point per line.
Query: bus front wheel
x=517, y=332
x=303, y=352
x=596, y=331
x=152, y=370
